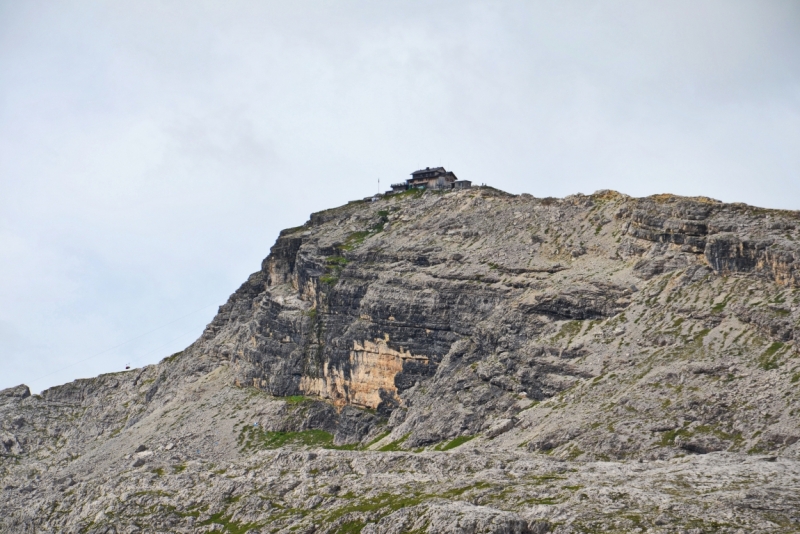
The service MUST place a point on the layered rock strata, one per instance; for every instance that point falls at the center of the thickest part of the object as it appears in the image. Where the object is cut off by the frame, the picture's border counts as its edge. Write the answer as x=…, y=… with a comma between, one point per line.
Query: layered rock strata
x=500, y=358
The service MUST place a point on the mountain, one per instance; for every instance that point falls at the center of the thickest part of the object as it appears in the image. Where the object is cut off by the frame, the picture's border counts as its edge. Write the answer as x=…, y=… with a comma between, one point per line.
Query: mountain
x=468, y=361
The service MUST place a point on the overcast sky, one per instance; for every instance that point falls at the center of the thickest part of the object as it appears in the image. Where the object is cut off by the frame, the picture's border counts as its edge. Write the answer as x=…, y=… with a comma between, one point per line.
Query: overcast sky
x=151, y=151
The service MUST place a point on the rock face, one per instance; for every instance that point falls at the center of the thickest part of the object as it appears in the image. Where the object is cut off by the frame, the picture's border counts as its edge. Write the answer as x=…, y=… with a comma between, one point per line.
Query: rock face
x=468, y=361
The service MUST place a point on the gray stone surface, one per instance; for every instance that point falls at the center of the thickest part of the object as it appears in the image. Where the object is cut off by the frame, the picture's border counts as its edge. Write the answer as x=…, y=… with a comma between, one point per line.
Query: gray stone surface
x=455, y=362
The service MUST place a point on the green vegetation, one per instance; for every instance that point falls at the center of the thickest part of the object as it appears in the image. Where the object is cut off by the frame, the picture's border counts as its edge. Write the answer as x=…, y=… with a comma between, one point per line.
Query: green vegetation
x=769, y=360
x=354, y=239
x=378, y=227
x=574, y=452
x=460, y=440
x=779, y=299
x=701, y=335
x=394, y=446
x=569, y=330
x=386, y=503
x=336, y=261
x=232, y=527
x=668, y=437
x=377, y=439
x=297, y=399
x=329, y=279
x=179, y=468
x=717, y=308
x=350, y=527
x=253, y=437
x=334, y=266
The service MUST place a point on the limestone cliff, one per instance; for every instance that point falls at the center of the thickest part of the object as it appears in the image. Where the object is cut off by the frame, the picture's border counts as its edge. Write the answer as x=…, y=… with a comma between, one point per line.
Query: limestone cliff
x=475, y=300
x=582, y=341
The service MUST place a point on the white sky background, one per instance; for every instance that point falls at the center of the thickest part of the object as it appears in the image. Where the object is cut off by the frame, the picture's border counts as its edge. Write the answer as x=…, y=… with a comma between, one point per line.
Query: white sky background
x=150, y=151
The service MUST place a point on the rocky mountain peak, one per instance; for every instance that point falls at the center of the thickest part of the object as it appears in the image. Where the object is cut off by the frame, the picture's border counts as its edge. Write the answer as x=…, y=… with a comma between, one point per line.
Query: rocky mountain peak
x=509, y=363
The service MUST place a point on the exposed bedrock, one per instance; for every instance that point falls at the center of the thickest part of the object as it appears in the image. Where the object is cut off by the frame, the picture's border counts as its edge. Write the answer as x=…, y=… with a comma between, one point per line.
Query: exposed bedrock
x=458, y=362
x=734, y=238
x=461, y=305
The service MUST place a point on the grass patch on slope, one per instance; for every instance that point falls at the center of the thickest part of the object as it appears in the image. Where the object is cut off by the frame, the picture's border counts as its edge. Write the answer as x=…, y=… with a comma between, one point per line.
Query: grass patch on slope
x=297, y=399
x=334, y=266
x=452, y=444
x=769, y=359
x=354, y=239
x=394, y=446
x=668, y=437
x=386, y=503
x=251, y=437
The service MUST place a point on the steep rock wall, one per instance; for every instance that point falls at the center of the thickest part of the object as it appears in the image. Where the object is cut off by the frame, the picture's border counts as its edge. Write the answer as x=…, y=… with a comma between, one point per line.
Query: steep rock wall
x=469, y=301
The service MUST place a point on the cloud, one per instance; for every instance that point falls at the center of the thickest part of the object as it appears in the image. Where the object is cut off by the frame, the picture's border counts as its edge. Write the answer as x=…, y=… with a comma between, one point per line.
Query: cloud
x=151, y=151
